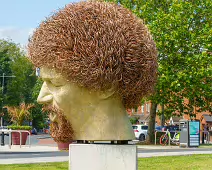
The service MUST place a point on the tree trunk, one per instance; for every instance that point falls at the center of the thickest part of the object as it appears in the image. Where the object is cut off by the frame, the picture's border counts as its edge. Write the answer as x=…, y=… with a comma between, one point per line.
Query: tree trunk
x=151, y=125
x=162, y=116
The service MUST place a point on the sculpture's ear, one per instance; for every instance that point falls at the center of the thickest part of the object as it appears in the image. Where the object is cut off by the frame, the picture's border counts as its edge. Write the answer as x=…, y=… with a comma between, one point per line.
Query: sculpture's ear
x=107, y=93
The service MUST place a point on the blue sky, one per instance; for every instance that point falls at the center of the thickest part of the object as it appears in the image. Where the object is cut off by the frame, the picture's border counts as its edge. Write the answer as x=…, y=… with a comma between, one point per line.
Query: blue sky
x=18, y=18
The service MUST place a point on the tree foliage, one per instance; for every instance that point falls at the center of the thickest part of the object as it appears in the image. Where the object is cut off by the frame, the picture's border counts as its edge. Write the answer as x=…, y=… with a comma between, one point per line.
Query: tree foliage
x=19, y=88
x=183, y=34
x=4, y=68
x=14, y=63
x=39, y=117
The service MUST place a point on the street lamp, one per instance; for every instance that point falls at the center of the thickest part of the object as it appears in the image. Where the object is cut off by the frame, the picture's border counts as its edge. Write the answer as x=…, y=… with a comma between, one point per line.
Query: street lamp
x=3, y=76
x=2, y=135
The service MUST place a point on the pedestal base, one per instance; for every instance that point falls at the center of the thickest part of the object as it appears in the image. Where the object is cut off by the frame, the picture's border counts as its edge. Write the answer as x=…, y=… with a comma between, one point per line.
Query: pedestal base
x=102, y=157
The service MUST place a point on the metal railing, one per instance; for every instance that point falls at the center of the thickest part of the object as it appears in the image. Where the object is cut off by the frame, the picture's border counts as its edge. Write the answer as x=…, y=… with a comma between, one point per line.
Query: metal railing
x=20, y=132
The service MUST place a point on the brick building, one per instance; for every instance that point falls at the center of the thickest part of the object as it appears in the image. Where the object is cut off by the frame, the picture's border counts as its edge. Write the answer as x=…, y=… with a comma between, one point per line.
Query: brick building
x=143, y=113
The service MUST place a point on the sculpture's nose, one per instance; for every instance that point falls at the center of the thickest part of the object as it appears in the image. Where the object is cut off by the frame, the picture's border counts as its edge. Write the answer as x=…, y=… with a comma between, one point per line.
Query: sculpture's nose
x=44, y=96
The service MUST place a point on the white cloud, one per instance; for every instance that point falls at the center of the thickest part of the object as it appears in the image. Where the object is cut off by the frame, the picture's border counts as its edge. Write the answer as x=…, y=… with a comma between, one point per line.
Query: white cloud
x=17, y=35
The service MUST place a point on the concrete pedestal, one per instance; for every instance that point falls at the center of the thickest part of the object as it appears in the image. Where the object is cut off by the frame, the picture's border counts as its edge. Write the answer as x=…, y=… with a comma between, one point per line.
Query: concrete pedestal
x=102, y=157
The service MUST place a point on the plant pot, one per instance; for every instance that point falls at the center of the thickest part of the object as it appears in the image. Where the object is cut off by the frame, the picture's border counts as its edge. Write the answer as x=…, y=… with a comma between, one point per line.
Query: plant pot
x=63, y=146
x=16, y=138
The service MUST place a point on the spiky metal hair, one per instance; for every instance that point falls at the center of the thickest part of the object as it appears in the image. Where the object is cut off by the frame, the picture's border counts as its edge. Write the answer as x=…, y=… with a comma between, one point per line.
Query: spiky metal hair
x=98, y=45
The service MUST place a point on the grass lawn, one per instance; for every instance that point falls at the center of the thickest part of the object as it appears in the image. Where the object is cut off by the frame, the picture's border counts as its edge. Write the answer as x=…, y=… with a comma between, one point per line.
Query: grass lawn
x=40, y=166
x=194, y=162
x=205, y=146
x=188, y=162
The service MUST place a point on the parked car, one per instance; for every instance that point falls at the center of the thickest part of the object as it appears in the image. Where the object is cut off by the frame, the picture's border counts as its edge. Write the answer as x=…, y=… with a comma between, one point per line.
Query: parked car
x=140, y=132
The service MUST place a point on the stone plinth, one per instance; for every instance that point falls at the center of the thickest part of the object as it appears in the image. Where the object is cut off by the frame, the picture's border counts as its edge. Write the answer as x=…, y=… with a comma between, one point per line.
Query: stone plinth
x=102, y=157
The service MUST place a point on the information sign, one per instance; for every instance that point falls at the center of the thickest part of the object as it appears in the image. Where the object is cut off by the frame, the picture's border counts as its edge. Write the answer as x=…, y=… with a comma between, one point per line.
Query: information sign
x=194, y=133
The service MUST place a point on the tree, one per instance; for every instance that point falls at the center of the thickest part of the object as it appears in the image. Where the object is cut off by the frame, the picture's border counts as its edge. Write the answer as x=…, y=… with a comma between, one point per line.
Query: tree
x=24, y=86
x=182, y=32
x=20, y=87
x=14, y=62
x=39, y=117
x=4, y=69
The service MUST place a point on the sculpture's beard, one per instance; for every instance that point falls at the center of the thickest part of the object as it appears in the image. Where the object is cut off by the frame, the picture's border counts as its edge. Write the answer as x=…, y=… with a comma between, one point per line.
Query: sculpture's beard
x=60, y=128
x=53, y=112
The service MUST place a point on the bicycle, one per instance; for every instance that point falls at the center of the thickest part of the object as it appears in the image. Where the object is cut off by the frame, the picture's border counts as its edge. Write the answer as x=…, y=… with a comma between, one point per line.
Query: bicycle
x=164, y=139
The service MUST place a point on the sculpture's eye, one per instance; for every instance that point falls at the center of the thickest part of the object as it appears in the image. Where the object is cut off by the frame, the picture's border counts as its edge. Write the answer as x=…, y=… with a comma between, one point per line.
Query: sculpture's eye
x=48, y=83
x=56, y=83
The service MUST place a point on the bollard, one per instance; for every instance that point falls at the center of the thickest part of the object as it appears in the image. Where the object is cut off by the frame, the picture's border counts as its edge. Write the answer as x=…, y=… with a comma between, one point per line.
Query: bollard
x=203, y=138
x=2, y=139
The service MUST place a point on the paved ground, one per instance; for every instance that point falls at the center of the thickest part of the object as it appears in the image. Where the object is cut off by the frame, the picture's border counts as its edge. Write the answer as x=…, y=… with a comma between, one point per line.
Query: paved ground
x=44, y=149
x=36, y=154
x=41, y=139
x=47, y=141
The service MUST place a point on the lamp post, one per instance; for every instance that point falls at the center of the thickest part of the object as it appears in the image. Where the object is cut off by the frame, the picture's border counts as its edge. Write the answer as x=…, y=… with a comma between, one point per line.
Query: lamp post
x=2, y=120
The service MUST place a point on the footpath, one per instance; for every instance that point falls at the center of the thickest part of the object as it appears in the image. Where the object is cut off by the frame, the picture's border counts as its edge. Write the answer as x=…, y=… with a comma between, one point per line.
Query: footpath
x=50, y=147
x=31, y=151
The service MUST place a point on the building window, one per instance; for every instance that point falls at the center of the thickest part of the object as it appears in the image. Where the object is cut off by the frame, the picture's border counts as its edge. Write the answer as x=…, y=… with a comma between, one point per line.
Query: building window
x=134, y=110
x=157, y=108
x=147, y=108
x=142, y=109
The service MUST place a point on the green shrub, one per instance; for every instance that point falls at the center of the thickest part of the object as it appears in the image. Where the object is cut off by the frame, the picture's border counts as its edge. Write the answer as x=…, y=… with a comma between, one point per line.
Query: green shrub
x=133, y=120
x=15, y=127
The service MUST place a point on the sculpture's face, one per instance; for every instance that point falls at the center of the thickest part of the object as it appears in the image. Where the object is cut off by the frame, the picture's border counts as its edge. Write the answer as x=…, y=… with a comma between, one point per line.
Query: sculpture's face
x=92, y=114
x=62, y=94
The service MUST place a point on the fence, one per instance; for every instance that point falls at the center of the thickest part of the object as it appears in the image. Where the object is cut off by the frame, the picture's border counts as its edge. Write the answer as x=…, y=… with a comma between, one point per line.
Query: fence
x=10, y=135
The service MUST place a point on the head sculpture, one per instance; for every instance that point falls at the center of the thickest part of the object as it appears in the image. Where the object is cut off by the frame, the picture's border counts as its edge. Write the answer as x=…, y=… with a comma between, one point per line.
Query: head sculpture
x=103, y=50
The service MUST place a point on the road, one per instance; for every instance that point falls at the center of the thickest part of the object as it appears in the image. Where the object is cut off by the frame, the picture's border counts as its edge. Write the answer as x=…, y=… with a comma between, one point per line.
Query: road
x=11, y=155
x=142, y=152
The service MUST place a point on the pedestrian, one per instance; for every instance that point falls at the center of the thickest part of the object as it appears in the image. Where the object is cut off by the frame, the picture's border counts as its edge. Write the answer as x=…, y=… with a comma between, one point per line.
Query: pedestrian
x=206, y=129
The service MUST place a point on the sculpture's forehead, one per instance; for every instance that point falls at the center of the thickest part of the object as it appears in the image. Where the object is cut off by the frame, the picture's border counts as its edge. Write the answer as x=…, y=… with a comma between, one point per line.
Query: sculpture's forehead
x=50, y=73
